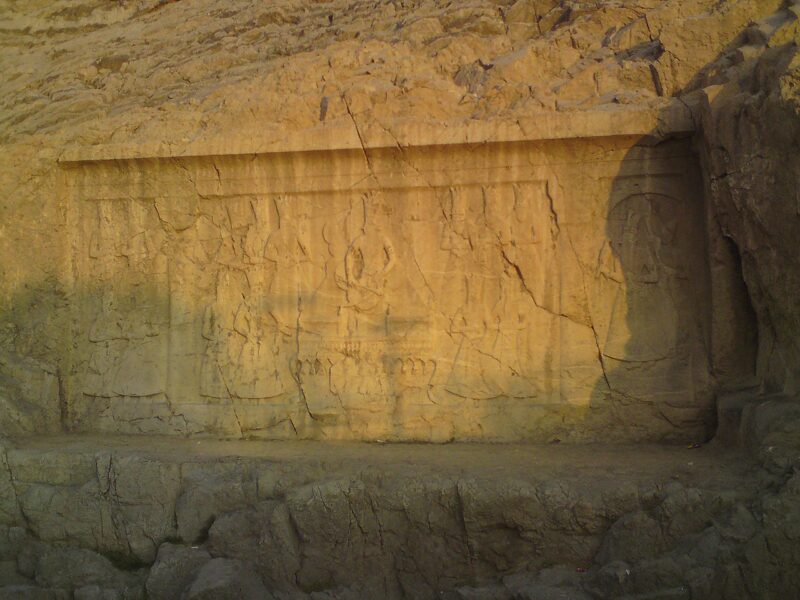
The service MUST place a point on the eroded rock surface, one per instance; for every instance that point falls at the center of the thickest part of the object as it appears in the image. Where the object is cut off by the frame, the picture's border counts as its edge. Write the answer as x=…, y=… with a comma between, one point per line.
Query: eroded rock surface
x=289, y=221
x=505, y=290
x=391, y=289
x=321, y=520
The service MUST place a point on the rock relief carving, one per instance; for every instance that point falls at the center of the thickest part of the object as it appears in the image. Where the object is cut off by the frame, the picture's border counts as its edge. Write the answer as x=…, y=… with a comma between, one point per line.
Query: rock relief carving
x=364, y=312
x=126, y=324
x=641, y=257
x=243, y=340
x=505, y=259
x=396, y=302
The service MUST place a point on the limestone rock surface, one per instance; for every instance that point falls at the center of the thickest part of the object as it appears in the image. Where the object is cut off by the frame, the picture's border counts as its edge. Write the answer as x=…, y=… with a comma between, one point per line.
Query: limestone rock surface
x=391, y=220
x=410, y=520
x=399, y=220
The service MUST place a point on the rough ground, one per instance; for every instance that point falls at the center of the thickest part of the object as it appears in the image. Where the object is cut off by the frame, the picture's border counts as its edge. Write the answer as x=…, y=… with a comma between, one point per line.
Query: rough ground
x=163, y=518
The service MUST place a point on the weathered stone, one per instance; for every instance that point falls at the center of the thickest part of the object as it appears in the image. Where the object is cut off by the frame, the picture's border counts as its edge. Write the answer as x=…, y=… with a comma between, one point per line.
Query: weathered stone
x=11, y=541
x=397, y=520
x=542, y=592
x=9, y=503
x=114, y=504
x=390, y=346
x=264, y=536
x=226, y=579
x=208, y=493
x=71, y=568
x=29, y=393
x=93, y=592
x=212, y=293
x=539, y=220
x=636, y=535
x=174, y=569
x=28, y=592
x=9, y=575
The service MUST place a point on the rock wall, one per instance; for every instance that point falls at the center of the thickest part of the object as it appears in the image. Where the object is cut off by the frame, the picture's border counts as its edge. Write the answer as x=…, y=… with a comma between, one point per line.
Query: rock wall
x=501, y=290
x=751, y=133
x=166, y=518
x=225, y=218
x=70, y=358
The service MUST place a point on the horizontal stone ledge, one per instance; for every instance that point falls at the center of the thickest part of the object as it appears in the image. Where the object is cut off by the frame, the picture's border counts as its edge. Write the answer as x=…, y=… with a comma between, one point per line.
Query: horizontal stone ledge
x=293, y=510
x=349, y=134
x=70, y=459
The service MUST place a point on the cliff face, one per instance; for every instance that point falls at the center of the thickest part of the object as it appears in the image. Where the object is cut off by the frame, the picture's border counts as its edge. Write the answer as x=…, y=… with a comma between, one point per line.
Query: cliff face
x=95, y=72
x=750, y=135
x=408, y=220
x=175, y=300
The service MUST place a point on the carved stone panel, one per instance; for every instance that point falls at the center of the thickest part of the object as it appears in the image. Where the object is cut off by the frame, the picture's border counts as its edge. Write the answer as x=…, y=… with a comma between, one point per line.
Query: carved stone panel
x=498, y=291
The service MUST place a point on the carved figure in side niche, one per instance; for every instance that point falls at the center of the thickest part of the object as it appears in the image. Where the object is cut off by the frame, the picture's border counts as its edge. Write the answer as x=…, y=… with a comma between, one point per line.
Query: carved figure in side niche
x=639, y=256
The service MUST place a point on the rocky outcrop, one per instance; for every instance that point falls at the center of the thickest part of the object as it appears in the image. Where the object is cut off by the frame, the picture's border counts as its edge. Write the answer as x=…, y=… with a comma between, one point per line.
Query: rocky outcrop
x=77, y=356
x=750, y=133
x=133, y=134
x=165, y=518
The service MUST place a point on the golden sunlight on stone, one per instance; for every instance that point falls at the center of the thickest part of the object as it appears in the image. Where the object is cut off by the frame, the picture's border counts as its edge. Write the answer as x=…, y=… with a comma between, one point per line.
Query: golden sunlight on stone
x=399, y=299
x=493, y=289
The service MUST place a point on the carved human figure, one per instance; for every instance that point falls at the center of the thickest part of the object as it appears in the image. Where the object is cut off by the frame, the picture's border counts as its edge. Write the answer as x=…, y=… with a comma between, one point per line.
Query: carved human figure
x=127, y=324
x=506, y=264
x=299, y=262
x=363, y=274
x=242, y=351
x=639, y=257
